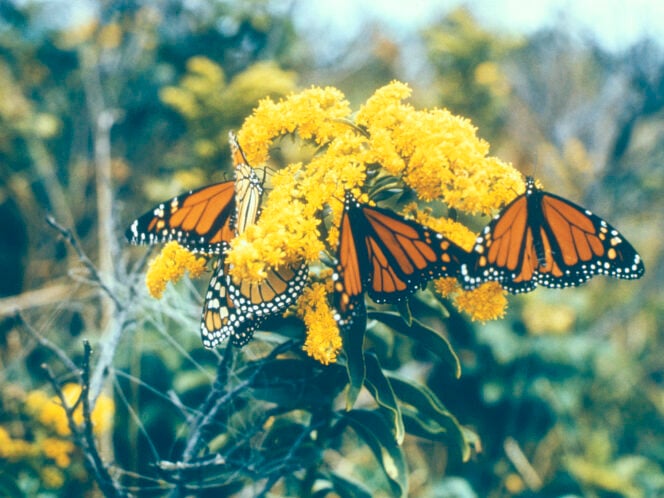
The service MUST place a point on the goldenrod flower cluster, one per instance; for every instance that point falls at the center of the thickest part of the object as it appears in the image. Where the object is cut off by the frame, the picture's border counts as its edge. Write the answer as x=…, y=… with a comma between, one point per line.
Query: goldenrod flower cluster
x=323, y=340
x=51, y=413
x=170, y=266
x=433, y=152
x=49, y=448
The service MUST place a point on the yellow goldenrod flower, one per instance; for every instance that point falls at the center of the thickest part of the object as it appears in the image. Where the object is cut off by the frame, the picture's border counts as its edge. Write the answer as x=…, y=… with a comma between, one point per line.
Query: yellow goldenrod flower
x=48, y=411
x=102, y=414
x=436, y=153
x=52, y=477
x=432, y=151
x=170, y=265
x=35, y=400
x=15, y=449
x=323, y=339
x=58, y=450
x=447, y=286
x=312, y=114
x=487, y=302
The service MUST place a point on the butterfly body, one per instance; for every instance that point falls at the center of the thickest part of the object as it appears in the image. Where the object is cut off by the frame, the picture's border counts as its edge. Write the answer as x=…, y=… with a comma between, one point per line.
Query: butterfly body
x=386, y=255
x=543, y=239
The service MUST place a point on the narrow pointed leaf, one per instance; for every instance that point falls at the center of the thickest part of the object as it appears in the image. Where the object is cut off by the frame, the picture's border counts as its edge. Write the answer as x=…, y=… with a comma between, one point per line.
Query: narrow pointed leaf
x=353, y=340
x=426, y=416
x=381, y=390
x=371, y=427
x=427, y=336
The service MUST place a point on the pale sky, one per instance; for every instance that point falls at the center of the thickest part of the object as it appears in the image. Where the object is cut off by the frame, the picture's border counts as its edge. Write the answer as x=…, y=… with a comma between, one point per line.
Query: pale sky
x=616, y=23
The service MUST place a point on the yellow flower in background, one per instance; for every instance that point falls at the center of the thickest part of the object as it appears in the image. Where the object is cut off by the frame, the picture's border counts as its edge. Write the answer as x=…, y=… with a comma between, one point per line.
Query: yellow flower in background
x=50, y=412
x=52, y=477
x=58, y=450
x=170, y=265
x=15, y=449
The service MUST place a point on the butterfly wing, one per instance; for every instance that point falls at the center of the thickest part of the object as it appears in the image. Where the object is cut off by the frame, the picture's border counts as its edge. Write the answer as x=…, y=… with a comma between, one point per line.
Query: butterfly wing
x=404, y=255
x=543, y=239
x=388, y=256
x=274, y=294
x=504, y=251
x=200, y=220
x=577, y=245
x=351, y=276
x=221, y=319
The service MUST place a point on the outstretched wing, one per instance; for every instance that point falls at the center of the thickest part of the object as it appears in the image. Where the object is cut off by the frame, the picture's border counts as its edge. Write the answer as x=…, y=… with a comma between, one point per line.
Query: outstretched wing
x=388, y=256
x=543, y=239
x=200, y=220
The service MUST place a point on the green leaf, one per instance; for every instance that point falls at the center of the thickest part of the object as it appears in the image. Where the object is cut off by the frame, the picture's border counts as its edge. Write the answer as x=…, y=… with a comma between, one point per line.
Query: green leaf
x=386, y=187
x=347, y=488
x=294, y=383
x=371, y=427
x=381, y=390
x=426, y=416
x=404, y=311
x=353, y=340
x=429, y=338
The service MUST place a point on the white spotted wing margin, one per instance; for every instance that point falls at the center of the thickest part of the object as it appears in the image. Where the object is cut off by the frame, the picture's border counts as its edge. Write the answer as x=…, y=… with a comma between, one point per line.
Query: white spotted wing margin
x=235, y=312
x=221, y=319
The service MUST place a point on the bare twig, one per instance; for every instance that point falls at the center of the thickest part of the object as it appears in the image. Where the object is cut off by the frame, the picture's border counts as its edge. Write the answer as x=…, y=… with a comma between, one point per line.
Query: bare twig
x=217, y=398
x=118, y=324
x=44, y=342
x=75, y=244
x=107, y=350
x=106, y=483
x=45, y=296
x=44, y=168
x=103, y=117
x=522, y=465
x=83, y=434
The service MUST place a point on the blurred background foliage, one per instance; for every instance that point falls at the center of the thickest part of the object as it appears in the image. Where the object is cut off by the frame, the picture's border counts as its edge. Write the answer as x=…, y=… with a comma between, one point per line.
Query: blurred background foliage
x=103, y=116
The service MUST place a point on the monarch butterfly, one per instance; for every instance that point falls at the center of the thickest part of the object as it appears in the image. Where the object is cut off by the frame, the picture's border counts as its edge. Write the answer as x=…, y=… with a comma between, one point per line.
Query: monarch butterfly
x=386, y=255
x=234, y=312
x=206, y=220
x=543, y=239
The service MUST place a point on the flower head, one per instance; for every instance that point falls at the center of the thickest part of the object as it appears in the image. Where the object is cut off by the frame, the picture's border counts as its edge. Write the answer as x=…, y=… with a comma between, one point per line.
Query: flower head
x=170, y=265
x=323, y=339
x=487, y=302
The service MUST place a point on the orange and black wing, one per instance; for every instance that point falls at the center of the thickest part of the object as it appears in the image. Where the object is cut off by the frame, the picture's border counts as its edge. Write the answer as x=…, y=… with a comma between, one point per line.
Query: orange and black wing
x=543, y=239
x=200, y=220
x=221, y=319
x=234, y=312
x=388, y=256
